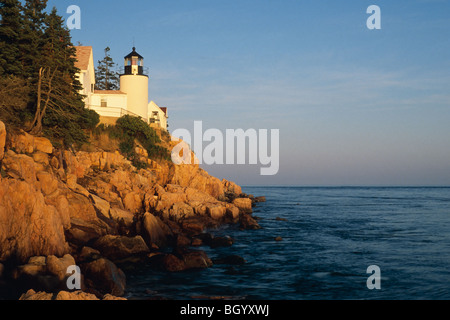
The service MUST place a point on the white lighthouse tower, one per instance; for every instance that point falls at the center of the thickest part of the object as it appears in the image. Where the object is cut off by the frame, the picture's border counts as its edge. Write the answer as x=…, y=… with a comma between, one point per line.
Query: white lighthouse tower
x=135, y=84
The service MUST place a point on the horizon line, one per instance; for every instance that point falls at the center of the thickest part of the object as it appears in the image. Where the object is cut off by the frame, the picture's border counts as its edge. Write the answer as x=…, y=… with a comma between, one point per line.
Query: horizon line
x=346, y=186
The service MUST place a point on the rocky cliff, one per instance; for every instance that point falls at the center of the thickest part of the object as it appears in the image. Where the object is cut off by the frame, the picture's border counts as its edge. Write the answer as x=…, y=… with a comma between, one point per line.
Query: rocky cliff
x=95, y=210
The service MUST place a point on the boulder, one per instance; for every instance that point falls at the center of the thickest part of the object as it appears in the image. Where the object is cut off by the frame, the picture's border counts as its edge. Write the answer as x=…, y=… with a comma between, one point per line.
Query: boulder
x=103, y=276
x=232, y=212
x=120, y=247
x=182, y=241
x=29, y=227
x=133, y=202
x=180, y=211
x=58, y=266
x=81, y=208
x=26, y=143
x=110, y=297
x=64, y=295
x=216, y=210
x=231, y=187
x=168, y=199
x=260, y=199
x=33, y=295
x=244, y=204
x=247, y=222
x=102, y=206
x=82, y=232
x=19, y=166
x=41, y=157
x=122, y=217
x=196, y=242
x=35, y=275
x=172, y=263
x=181, y=260
x=48, y=183
x=157, y=232
x=88, y=254
x=193, y=226
x=35, y=267
x=75, y=296
x=196, y=259
x=54, y=162
x=43, y=145
x=22, y=143
x=216, y=242
x=62, y=205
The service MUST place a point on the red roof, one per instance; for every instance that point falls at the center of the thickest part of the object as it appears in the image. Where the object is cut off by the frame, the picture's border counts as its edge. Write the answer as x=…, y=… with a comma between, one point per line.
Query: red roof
x=83, y=57
x=164, y=109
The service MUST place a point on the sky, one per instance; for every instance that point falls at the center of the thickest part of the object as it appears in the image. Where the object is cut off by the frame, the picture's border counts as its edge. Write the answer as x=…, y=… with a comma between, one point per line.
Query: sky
x=353, y=106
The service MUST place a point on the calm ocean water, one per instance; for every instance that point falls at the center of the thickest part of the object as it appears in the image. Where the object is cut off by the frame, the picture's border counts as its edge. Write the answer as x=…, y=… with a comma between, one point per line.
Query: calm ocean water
x=330, y=237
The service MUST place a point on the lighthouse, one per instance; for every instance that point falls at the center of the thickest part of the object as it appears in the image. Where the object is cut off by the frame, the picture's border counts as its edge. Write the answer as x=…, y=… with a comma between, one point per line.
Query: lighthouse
x=135, y=84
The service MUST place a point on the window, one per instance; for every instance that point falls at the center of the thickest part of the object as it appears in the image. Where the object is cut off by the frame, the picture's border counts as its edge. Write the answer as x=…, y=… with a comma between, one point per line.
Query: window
x=104, y=103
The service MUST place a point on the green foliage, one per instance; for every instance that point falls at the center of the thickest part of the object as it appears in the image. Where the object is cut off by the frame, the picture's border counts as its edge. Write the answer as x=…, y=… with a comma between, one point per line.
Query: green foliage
x=90, y=119
x=128, y=130
x=13, y=100
x=36, y=49
x=158, y=152
x=10, y=33
x=135, y=127
x=105, y=76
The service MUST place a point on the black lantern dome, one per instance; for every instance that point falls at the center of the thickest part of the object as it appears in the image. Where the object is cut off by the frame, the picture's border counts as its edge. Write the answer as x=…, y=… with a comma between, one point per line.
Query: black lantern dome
x=134, y=63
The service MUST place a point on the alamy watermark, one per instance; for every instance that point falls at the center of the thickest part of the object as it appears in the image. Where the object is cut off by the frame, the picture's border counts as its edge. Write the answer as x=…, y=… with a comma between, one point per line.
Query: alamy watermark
x=74, y=20
x=74, y=280
x=228, y=148
x=374, y=21
x=374, y=281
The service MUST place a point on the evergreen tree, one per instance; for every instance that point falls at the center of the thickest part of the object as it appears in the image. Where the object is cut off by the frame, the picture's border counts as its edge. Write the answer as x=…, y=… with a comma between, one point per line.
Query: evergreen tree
x=32, y=40
x=10, y=34
x=60, y=110
x=37, y=53
x=105, y=76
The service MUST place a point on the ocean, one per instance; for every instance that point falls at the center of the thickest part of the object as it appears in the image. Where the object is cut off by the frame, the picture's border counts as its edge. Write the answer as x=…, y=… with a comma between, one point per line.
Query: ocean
x=329, y=238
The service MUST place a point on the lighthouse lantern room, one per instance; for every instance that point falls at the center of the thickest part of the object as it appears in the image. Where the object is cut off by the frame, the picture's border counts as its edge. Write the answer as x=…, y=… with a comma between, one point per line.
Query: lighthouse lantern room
x=135, y=84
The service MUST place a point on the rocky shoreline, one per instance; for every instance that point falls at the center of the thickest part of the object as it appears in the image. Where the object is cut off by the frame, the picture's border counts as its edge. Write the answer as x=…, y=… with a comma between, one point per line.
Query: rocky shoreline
x=96, y=211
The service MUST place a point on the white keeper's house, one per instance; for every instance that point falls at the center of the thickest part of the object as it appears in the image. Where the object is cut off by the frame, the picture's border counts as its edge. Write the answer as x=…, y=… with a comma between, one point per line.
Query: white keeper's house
x=132, y=98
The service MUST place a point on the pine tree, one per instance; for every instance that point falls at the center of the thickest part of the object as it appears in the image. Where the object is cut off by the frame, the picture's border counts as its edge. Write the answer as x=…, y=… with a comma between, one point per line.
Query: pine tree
x=37, y=53
x=105, y=76
x=10, y=34
x=60, y=112
x=32, y=39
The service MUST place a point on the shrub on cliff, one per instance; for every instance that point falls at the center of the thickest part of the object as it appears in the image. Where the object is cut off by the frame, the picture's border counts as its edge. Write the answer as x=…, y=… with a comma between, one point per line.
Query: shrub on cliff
x=136, y=128
x=128, y=130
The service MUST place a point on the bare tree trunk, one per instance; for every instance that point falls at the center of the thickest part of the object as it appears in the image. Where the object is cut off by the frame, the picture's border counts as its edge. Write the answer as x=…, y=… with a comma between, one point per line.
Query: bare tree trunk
x=40, y=112
x=38, y=103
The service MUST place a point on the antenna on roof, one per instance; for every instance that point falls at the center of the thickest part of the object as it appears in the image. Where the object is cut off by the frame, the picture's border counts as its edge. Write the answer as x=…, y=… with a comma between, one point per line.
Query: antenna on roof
x=133, y=43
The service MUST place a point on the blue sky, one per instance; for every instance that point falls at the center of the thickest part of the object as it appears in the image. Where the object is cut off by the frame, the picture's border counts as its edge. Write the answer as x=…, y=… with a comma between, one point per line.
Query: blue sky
x=354, y=106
